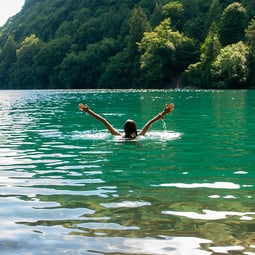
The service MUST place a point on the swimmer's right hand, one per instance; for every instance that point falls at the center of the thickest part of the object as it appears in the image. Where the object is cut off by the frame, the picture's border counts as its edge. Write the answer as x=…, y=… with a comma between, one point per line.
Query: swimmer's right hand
x=83, y=107
x=168, y=108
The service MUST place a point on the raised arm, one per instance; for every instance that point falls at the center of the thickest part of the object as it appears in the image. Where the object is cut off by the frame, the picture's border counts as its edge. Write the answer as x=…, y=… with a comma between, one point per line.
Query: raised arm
x=161, y=115
x=86, y=109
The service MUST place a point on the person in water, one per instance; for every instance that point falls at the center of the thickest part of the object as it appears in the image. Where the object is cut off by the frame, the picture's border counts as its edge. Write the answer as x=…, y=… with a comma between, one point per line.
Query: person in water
x=130, y=128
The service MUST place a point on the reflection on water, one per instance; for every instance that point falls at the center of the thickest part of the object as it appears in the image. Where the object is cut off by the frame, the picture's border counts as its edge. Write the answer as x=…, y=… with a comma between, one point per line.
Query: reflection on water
x=68, y=187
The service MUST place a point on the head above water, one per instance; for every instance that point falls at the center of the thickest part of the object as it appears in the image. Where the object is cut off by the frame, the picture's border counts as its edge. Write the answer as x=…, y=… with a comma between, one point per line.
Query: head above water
x=130, y=129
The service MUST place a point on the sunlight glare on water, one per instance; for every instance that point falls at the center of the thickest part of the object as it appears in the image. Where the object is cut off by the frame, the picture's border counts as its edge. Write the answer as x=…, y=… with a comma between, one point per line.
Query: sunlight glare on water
x=69, y=187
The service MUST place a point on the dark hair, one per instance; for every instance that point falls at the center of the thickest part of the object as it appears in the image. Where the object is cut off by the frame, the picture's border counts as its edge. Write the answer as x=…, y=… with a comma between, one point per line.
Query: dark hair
x=130, y=129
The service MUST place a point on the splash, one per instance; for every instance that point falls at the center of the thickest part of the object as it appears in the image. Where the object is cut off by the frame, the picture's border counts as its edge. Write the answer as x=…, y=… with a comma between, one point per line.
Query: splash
x=88, y=135
x=164, y=125
x=163, y=135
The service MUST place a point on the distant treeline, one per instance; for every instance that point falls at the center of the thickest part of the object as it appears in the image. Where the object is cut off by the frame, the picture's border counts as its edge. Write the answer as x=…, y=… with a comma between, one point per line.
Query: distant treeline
x=129, y=44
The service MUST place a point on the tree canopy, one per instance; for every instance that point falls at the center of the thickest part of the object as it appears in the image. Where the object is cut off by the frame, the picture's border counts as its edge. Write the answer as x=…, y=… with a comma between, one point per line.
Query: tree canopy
x=129, y=44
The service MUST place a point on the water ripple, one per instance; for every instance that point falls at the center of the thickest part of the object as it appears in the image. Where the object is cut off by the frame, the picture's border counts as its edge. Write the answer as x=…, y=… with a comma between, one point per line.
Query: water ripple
x=69, y=187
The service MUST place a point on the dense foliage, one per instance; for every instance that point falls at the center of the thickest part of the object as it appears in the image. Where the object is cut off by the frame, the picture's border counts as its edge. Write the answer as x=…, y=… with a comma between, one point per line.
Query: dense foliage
x=129, y=44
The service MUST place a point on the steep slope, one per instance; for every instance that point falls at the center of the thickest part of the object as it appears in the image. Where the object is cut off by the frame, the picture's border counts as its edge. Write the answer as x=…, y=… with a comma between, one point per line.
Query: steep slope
x=93, y=43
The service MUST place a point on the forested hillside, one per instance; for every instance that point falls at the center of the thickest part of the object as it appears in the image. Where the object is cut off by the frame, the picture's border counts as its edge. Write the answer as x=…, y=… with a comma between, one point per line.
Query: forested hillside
x=129, y=44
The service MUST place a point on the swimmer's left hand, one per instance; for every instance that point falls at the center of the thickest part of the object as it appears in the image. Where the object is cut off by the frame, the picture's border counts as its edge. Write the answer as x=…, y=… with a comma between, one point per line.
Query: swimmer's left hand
x=169, y=108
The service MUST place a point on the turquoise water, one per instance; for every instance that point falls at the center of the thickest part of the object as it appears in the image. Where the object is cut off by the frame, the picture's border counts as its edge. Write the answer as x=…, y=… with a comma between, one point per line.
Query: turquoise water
x=68, y=187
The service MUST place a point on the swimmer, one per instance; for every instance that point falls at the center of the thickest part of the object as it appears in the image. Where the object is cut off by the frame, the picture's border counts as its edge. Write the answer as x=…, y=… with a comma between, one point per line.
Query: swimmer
x=130, y=128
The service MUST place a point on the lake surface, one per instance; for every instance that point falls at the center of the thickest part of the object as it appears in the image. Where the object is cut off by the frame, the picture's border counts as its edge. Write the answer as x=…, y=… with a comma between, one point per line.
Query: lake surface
x=68, y=187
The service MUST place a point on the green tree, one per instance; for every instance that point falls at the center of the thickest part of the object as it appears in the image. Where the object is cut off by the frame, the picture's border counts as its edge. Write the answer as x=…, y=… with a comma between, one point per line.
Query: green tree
x=202, y=70
x=233, y=23
x=123, y=69
x=209, y=51
x=156, y=16
x=117, y=72
x=174, y=11
x=250, y=39
x=195, y=14
x=192, y=76
x=211, y=47
x=161, y=60
x=214, y=13
x=249, y=6
x=48, y=58
x=138, y=25
x=21, y=71
x=7, y=59
x=84, y=69
x=70, y=71
x=250, y=35
x=230, y=68
x=89, y=32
